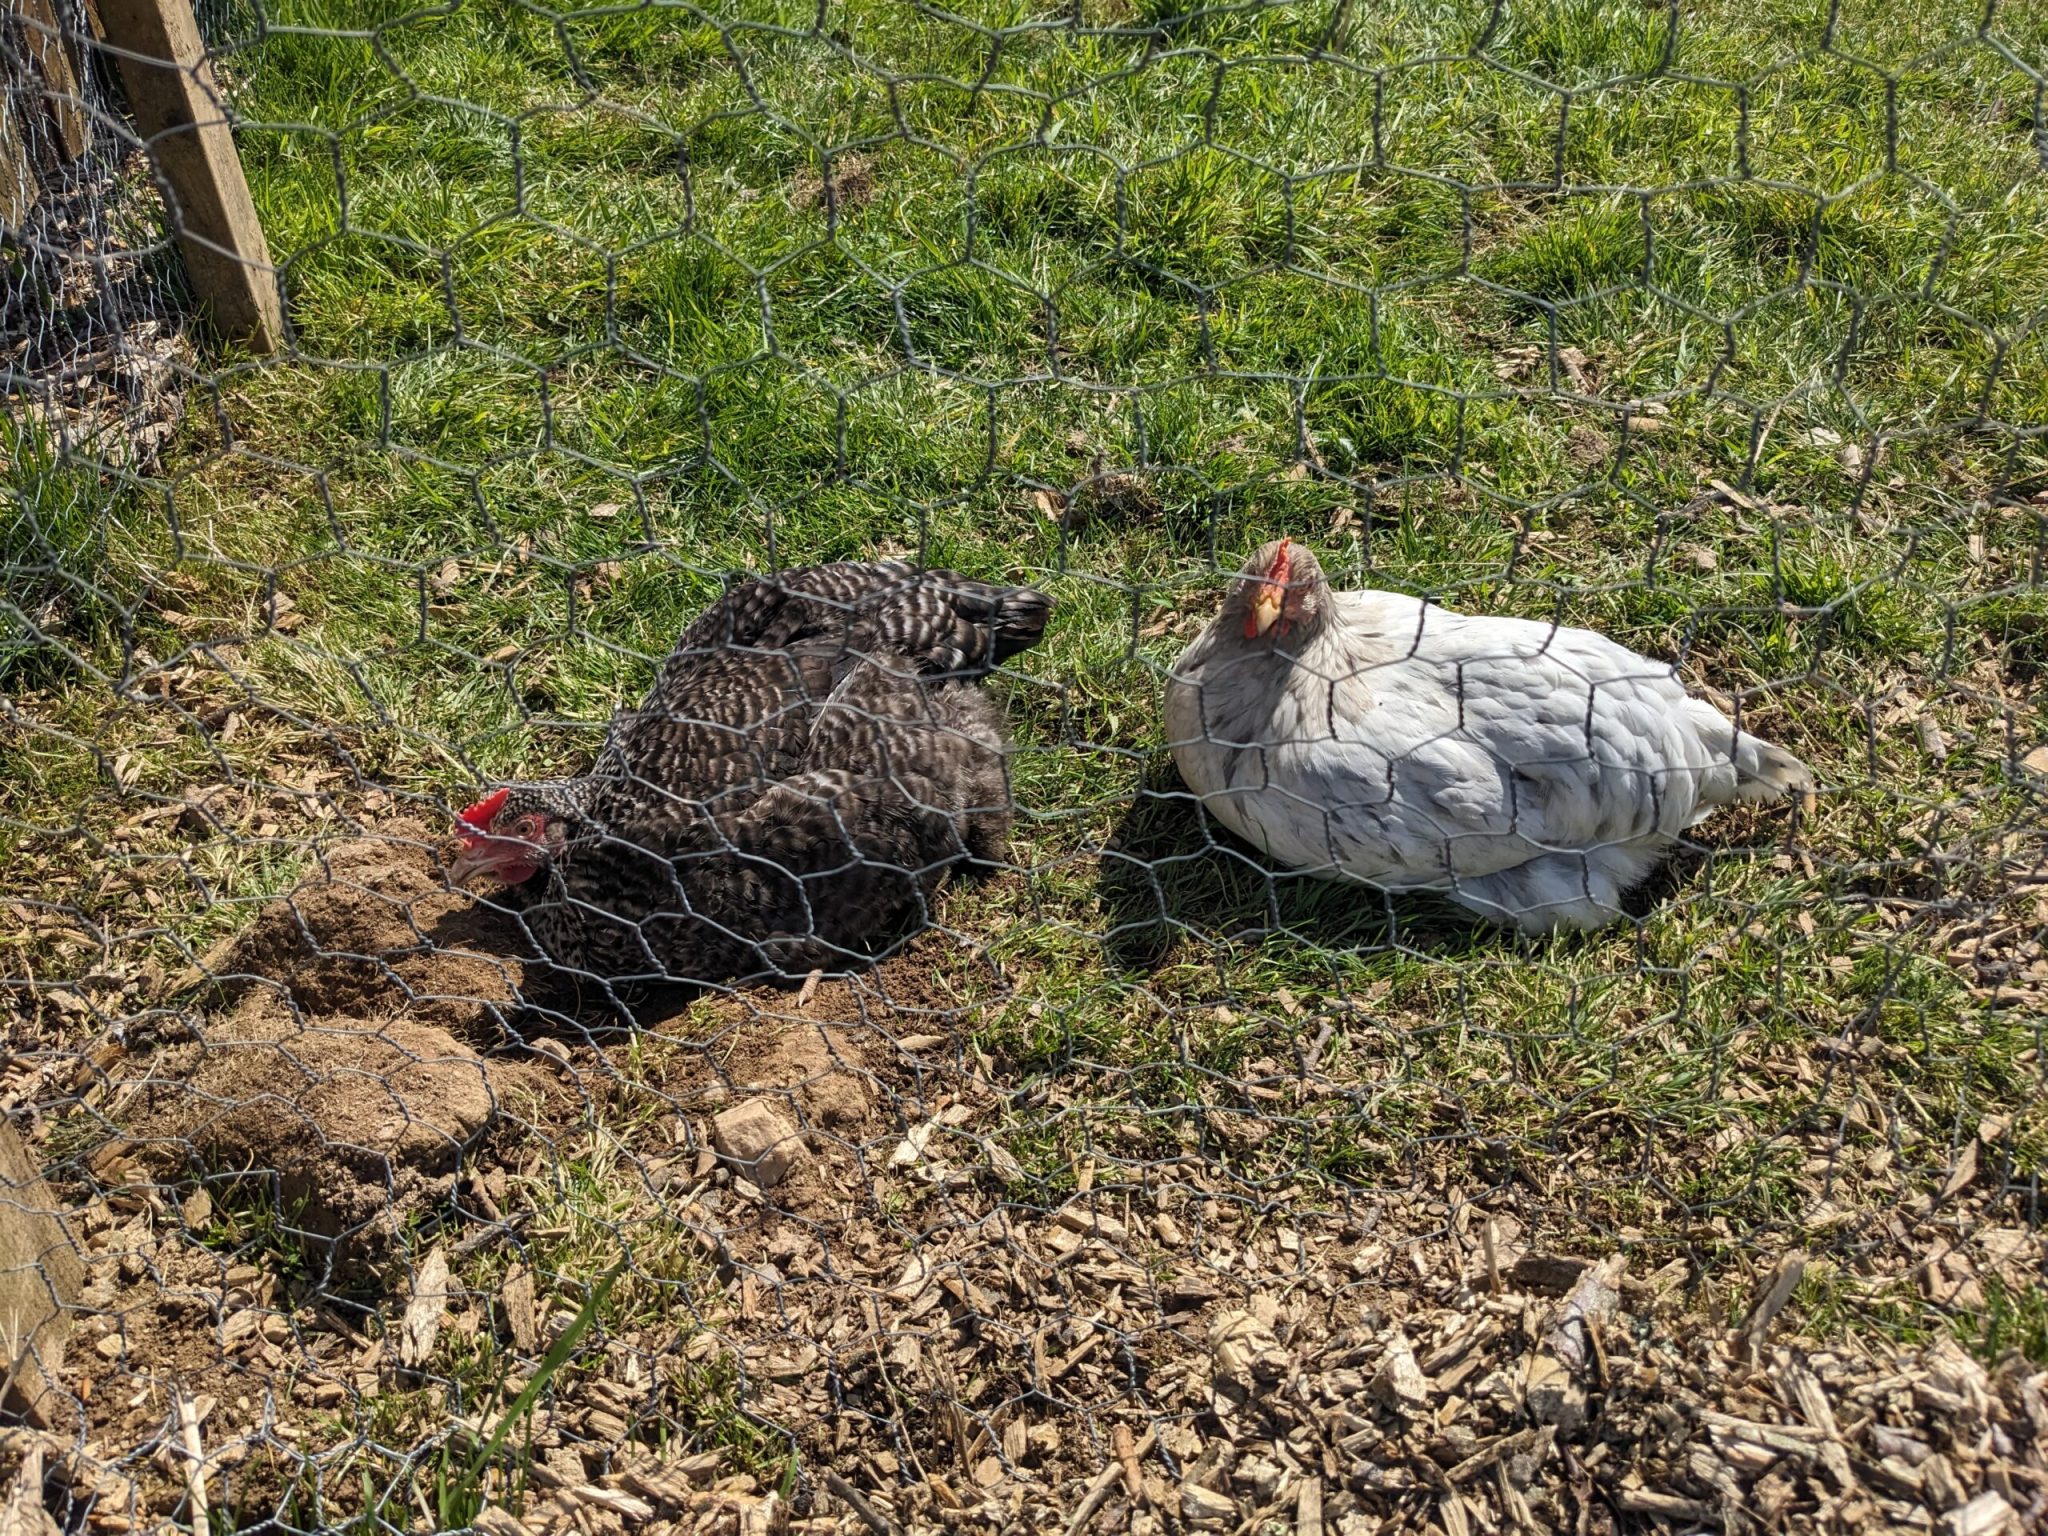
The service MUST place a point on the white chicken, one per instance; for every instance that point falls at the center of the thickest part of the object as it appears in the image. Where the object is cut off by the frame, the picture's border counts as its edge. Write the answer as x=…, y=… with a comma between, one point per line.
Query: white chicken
x=1532, y=773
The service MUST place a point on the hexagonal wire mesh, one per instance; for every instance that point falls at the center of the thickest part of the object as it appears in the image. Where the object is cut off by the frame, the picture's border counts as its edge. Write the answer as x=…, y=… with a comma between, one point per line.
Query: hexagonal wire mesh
x=1130, y=1174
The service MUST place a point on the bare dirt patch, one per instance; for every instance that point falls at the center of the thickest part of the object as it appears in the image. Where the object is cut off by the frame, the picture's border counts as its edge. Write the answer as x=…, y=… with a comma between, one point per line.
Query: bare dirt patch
x=850, y=185
x=852, y=1066
x=346, y=1060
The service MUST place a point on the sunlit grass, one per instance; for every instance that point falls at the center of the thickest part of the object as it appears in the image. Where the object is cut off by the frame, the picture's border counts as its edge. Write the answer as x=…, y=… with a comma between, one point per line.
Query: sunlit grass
x=577, y=330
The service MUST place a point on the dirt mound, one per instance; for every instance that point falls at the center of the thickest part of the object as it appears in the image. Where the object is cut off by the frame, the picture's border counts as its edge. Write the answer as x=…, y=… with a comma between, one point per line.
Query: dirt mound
x=824, y=1060
x=376, y=929
x=346, y=1060
x=354, y=1118
x=820, y=1073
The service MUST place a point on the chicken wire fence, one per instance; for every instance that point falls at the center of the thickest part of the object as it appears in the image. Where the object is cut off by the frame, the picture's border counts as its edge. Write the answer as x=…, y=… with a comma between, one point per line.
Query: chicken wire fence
x=1141, y=1183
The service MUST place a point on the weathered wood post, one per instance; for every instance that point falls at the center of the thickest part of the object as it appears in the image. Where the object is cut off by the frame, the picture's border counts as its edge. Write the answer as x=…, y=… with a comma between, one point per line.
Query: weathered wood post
x=41, y=1279
x=184, y=125
x=45, y=42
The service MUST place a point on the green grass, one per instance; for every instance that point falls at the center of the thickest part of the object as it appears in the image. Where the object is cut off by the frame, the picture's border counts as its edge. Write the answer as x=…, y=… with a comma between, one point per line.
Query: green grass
x=576, y=333
x=458, y=1486
x=57, y=581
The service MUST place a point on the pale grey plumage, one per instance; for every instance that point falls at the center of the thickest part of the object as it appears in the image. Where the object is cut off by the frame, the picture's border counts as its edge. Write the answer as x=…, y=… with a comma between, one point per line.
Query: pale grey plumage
x=1532, y=772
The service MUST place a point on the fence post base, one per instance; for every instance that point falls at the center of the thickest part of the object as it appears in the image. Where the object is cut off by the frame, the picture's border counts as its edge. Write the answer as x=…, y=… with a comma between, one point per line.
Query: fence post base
x=183, y=120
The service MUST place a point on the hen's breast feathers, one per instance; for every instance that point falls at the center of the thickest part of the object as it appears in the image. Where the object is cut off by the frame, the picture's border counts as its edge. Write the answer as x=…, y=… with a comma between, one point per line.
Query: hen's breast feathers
x=1409, y=744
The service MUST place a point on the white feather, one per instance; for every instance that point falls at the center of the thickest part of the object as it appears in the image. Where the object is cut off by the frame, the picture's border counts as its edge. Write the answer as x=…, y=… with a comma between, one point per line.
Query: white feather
x=1532, y=772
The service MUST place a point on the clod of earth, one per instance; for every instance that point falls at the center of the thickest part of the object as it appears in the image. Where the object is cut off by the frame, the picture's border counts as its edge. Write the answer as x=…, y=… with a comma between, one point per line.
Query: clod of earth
x=375, y=930
x=758, y=1141
x=345, y=1060
x=353, y=1117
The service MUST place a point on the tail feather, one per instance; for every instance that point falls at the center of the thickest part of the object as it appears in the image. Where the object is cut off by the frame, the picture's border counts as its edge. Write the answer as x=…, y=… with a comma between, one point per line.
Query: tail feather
x=1763, y=770
x=942, y=621
x=1766, y=771
x=1021, y=615
x=952, y=624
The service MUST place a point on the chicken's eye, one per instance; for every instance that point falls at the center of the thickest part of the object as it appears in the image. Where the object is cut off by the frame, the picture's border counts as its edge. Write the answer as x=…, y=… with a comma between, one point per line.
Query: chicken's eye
x=527, y=828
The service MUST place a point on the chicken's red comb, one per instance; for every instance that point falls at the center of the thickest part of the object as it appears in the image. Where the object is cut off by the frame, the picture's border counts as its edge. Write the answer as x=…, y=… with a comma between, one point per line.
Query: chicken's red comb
x=478, y=817
x=1283, y=560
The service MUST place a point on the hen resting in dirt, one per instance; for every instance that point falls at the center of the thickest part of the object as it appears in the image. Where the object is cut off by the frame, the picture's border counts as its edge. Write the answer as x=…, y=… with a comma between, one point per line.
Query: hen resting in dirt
x=813, y=759
x=1531, y=772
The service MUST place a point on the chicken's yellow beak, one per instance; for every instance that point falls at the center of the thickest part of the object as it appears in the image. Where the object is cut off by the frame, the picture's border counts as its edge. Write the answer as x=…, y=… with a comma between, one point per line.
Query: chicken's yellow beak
x=1266, y=603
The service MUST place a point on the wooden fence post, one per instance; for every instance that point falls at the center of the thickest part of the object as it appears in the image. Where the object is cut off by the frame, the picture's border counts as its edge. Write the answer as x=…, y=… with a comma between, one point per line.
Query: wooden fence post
x=41, y=1279
x=183, y=120
x=52, y=60
x=18, y=189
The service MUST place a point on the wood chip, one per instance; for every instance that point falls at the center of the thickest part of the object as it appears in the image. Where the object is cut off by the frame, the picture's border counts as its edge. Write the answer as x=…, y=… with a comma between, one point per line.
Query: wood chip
x=1098, y=1490
x=1811, y=1399
x=1399, y=1382
x=1777, y=1290
x=857, y=1501
x=1932, y=742
x=1988, y=1514
x=1554, y=1393
x=516, y=1296
x=1964, y=1171
x=1308, y=1507
x=1203, y=1508
x=809, y=990
x=189, y=1416
x=1547, y=1274
x=1641, y=1501
x=420, y=1326
x=1127, y=1458
x=1592, y=1301
x=619, y=1503
x=1729, y=494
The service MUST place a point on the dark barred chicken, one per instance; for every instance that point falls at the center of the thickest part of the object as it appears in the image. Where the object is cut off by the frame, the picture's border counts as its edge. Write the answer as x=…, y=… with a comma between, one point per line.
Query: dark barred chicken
x=815, y=757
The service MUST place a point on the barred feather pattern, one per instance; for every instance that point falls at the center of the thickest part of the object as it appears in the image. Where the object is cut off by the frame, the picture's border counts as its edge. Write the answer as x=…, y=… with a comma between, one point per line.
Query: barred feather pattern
x=815, y=757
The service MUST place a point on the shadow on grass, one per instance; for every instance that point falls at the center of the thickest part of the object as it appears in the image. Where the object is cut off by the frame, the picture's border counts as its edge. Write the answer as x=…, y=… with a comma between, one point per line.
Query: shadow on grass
x=1171, y=874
